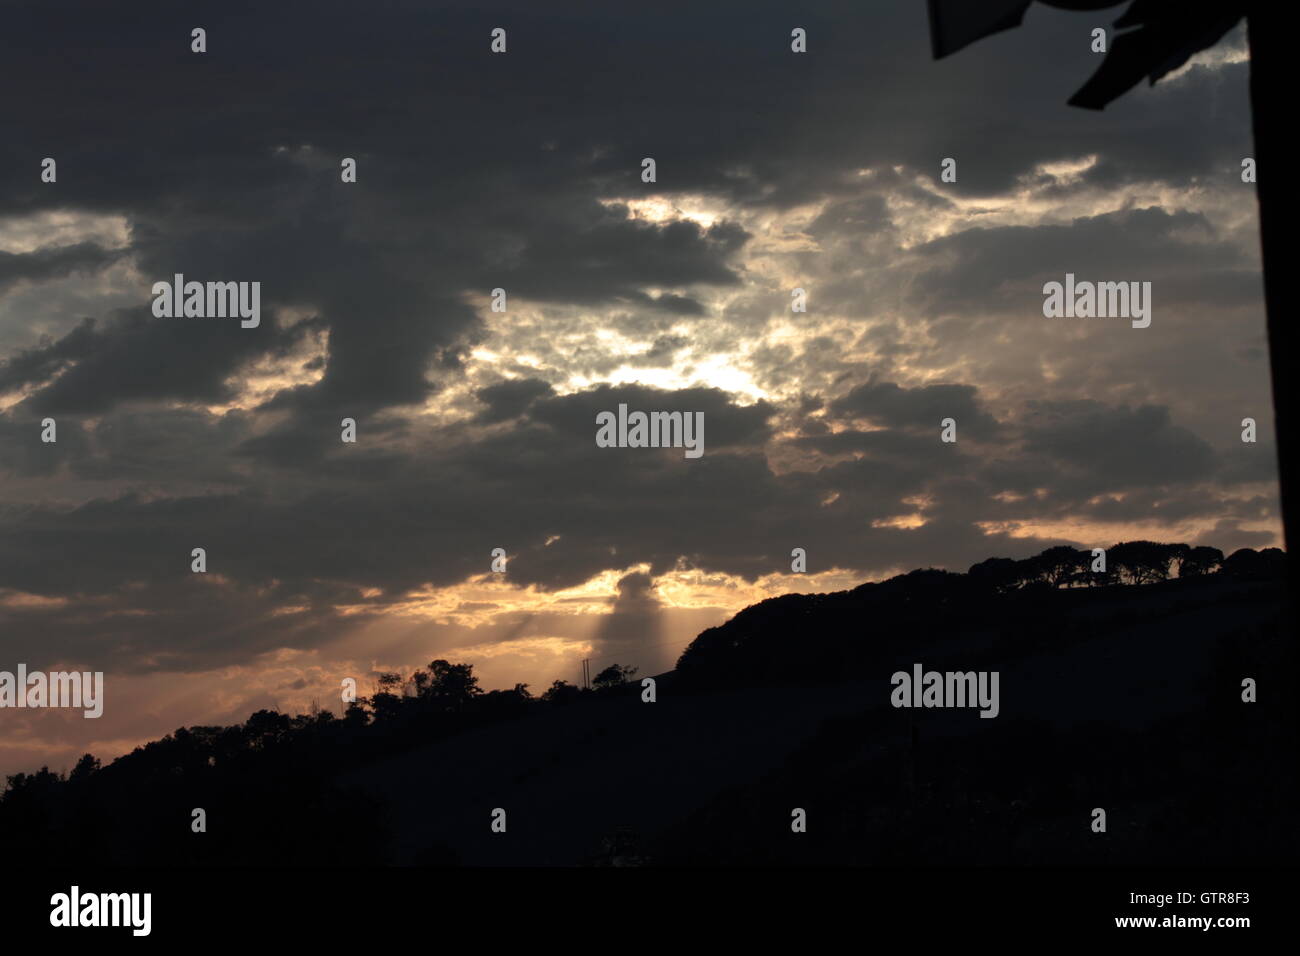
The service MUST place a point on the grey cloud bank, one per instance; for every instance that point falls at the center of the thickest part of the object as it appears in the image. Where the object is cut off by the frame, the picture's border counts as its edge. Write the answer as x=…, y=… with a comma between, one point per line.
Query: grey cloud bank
x=476, y=172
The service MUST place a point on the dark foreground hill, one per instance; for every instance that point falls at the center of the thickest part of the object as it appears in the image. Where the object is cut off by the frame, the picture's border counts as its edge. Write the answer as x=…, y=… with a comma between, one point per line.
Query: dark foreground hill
x=1125, y=697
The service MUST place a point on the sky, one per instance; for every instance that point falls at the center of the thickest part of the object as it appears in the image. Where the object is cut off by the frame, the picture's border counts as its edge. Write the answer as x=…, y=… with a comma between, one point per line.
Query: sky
x=476, y=429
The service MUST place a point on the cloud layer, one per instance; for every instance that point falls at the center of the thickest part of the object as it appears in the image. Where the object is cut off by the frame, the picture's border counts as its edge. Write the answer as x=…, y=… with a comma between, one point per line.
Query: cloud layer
x=521, y=171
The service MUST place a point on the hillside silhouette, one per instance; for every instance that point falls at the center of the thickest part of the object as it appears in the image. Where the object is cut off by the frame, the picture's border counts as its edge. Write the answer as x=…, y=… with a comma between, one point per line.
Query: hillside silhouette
x=1120, y=689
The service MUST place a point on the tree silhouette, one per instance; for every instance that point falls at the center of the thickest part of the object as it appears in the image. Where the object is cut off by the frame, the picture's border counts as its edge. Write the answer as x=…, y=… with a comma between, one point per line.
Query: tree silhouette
x=561, y=692
x=387, y=701
x=1249, y=563
x=356, y=715
x=1201, y=560
x=450, y=686
x=1061, y=565
x=1144, y=562
x=612, y=676
x=998, y=574
x=86, y=766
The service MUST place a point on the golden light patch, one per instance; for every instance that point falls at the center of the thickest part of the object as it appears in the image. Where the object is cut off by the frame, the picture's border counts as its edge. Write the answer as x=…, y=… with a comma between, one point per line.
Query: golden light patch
x=22, y=600
x=525, y=647
x=480, y=600
x=900, y=522
x=699, y=209
x=58, y=227
x=1097, y=534
x=291, y=609
x=264, y=376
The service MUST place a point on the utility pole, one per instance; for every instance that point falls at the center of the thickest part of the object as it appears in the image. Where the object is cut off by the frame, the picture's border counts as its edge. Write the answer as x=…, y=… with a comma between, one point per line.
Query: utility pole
x=586, y=674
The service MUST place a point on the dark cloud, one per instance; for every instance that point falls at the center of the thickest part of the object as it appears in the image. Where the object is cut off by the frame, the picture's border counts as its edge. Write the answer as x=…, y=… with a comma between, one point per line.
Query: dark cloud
x=886, y=403
x=1118, y=447
x=57, y=262
x=521, y=172
x=132, y=357
x=507, y=400
x=726, y=424
x=980, y=269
